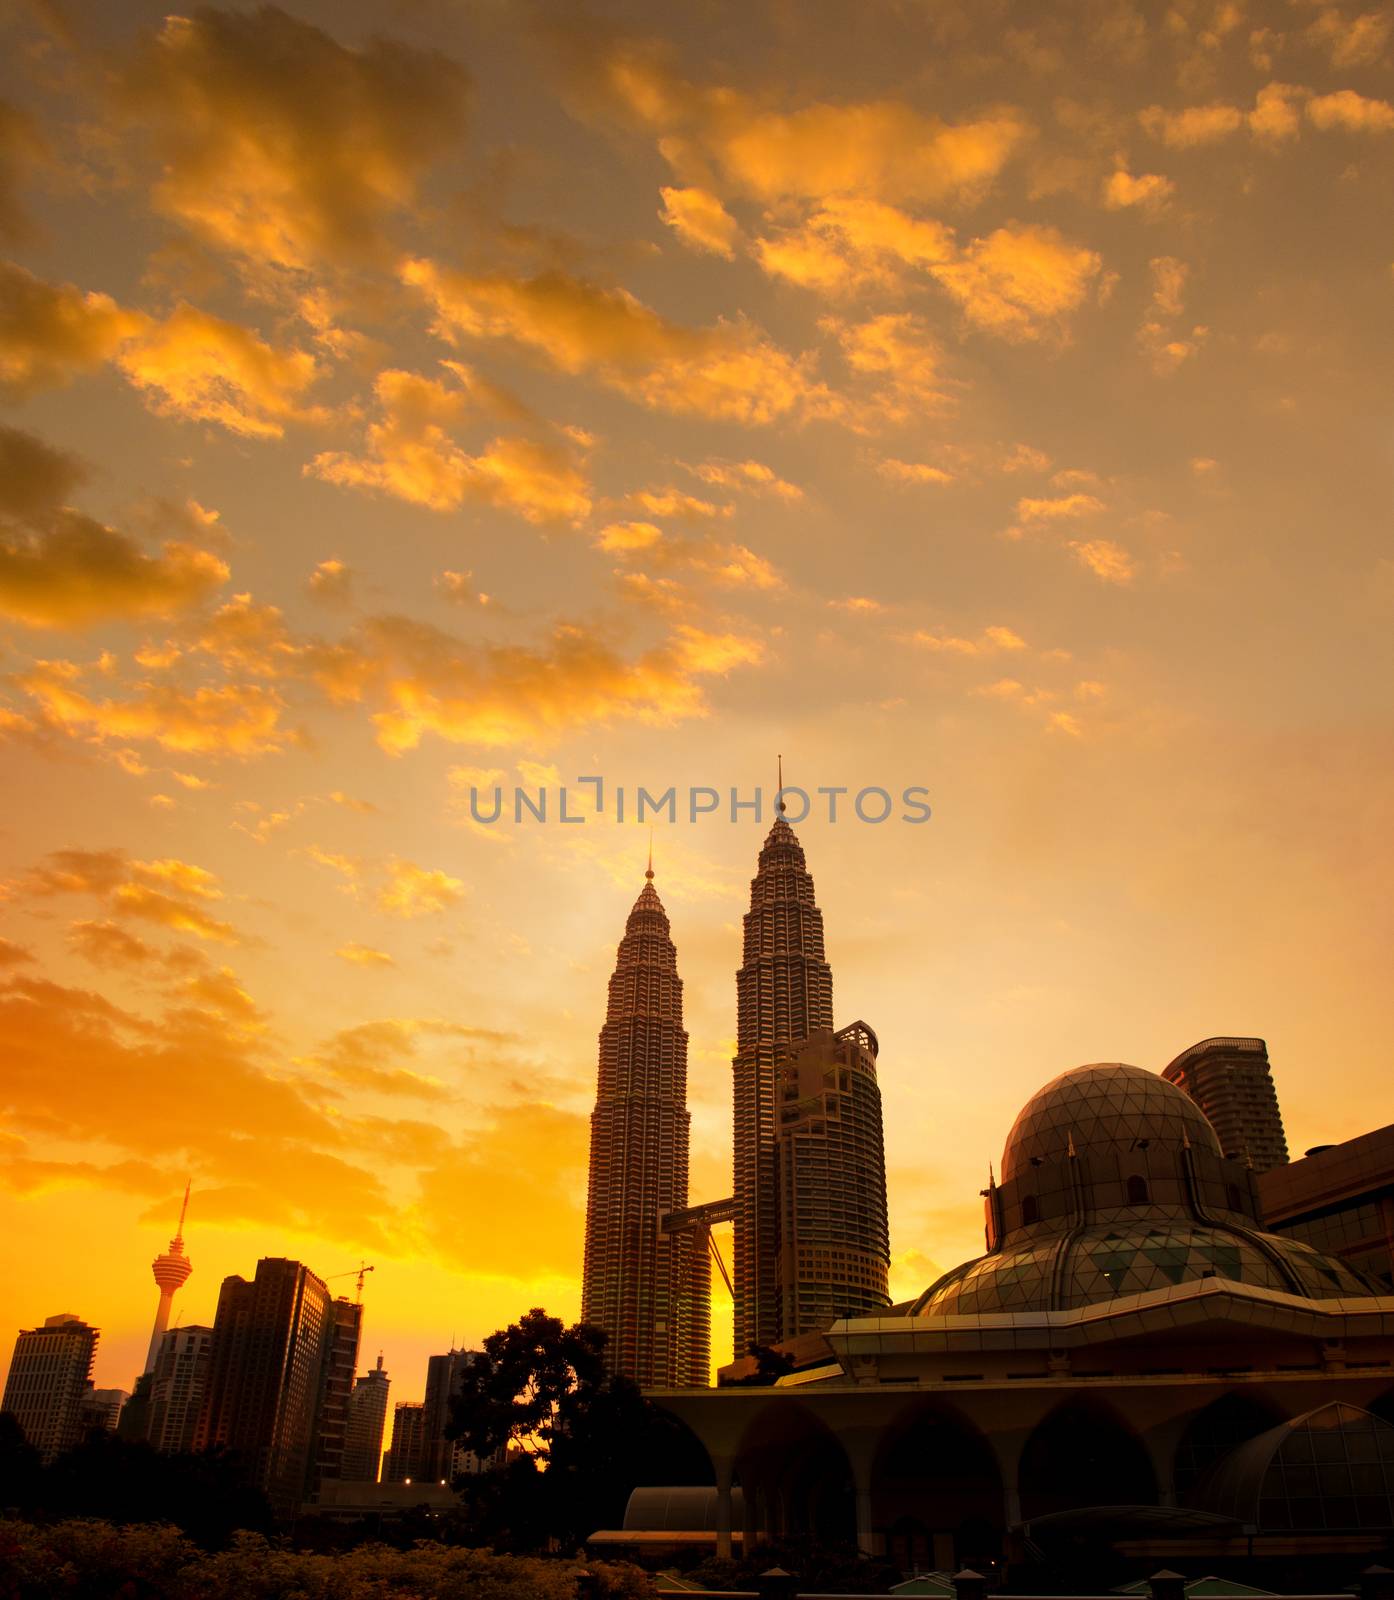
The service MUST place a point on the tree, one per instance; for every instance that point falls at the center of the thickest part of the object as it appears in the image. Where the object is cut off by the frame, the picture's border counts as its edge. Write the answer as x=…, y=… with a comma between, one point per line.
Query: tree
x=19, y=1464
x=567, y=1440
x=531, y=1381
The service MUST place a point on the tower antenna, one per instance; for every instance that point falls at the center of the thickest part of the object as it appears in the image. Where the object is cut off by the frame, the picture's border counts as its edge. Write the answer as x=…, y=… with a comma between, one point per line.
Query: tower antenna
x=780, y=807
x=184, y=1209
x=649, y=873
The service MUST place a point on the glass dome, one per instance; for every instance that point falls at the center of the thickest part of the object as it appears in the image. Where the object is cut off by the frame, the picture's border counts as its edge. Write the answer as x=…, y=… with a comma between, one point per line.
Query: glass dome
x=1106, y=1105
x=1114, y=1183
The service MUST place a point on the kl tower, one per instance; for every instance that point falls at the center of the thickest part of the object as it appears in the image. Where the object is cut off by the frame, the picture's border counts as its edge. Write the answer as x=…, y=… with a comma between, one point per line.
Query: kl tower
x=171, y=1270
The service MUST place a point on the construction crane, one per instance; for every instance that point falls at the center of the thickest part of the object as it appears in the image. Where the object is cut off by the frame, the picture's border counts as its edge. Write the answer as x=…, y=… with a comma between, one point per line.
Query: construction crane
x=360, y=1274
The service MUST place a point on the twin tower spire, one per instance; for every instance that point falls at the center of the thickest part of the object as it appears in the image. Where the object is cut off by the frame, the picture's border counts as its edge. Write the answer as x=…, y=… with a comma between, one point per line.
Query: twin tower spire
x=809, y=1202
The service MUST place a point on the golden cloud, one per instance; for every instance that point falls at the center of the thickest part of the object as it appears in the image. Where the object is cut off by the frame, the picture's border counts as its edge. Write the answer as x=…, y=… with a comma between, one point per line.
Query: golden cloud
x=701, y=221
x=85, y=1071
x=628, y=536
x=423, y=681
x=912, y=471
x=853, y=242
x=1062, y=508
x=280, y=145
x=1350, y=112
x=881, y=148
x=1192, y=125
x=235, y=719
x=414, y=891
x=1146, y=191
x=408, y=453
x=50, y=331
x=363, y=955
x=205, y=369
x=170, y=893
x=670, y=502
x=748, y=475
x=60, y=569
x=730, y=370
x=992, y=640
x=1020, y=281
x=1105, y=559
x=902, y=361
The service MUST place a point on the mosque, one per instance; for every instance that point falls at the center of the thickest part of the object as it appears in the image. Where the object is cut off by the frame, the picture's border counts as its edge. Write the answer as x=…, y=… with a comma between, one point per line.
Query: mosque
x=1133, y=1359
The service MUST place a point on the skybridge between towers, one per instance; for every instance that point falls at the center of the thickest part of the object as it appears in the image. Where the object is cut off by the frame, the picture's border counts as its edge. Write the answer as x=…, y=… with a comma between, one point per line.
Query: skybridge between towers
x=699, y=1222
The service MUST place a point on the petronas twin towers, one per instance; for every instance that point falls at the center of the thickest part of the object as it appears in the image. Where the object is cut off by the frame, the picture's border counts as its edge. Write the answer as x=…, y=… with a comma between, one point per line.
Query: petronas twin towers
x=809, y=1203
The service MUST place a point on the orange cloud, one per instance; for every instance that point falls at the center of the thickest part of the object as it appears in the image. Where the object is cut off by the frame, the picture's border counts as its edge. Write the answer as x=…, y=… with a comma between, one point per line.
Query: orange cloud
x=1021, y=281
x=363, y=955
x=50, y=331
x=1062, y=508
x=280, y=145
x=205, y=369
x=900, y=359
x=854, y=242
x=413, y=891
x=912, y=471
x=1105, y=559
x=170, y=893
x=1350, y=112
x=61, y=569
x=701, y=221
x=409, y=453
x=991, y=641
x=881, y=148
x=749, y=475
x=422, y=681
x=235, y=719
x=1145, y=191
x=730, y=370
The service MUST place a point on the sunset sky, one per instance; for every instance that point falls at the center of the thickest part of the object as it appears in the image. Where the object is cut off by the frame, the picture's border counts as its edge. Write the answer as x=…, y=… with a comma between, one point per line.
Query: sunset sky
x=405, y=396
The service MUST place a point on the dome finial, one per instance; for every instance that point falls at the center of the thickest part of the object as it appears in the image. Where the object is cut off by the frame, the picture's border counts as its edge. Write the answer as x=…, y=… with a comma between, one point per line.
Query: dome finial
x=649, y=873
x=1072, y=1151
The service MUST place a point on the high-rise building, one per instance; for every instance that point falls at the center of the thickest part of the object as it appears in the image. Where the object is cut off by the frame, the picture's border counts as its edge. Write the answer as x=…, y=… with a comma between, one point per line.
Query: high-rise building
x=101, y=1410
x=367, y=1418
x=1232, y=1083
x=176, y=1388
x=47, y=1383
x=279, y=1347
x=834, y=1247
x=345, y=1326
x=171, y=1272
x=406, y=1461
x=647, y=1288
x=784, y=993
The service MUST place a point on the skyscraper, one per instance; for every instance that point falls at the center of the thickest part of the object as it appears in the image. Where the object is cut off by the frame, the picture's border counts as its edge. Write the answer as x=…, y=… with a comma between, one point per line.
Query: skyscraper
x=47, y=1382
x=1232, y=1083
x=648, y=1289
x=176, y=1388
x=337, y=1367
x=784, y=993
x=834, y=1242
x=406, y=1461
x=279, y=1350
x=367, y=1417
x=171, y=1272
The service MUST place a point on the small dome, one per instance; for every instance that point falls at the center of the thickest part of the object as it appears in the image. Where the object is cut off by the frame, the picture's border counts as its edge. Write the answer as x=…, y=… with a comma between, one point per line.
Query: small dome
x=1105, y=1106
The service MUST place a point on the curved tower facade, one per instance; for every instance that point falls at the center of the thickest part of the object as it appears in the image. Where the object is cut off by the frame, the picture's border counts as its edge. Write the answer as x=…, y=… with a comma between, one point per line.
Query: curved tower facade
x=784, y=993
x=647, y=1288
x=171, y=1271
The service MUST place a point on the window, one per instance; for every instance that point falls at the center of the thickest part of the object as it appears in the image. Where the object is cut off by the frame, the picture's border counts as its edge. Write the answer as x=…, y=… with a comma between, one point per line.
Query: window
x=1030, y=1211
x=1137, y=1191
